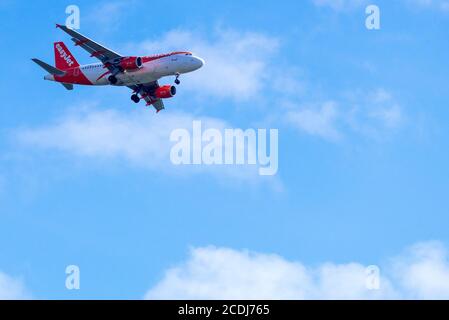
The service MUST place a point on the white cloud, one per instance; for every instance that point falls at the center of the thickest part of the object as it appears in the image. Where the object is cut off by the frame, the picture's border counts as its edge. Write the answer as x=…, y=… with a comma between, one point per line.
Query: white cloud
x=390, y=116
x=11, y=288
x=339, y=5
x=141, y=138
x=423, y=271
x=236, y=62
x=373, y=114
x=219, y=273
x=319, y=121
x=228, y=52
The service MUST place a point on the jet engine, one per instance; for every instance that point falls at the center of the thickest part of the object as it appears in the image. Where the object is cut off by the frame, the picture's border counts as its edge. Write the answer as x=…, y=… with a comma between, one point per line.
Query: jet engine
x=165, y=92
x=131, y=63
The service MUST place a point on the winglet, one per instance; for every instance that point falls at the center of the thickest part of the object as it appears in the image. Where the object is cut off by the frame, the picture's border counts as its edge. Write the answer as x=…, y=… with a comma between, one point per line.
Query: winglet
x=58, y=25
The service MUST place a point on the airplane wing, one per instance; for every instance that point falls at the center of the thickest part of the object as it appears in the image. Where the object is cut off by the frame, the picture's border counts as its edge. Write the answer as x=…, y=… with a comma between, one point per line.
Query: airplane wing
x=146, y=91
x=158, y=105
x=95, y=49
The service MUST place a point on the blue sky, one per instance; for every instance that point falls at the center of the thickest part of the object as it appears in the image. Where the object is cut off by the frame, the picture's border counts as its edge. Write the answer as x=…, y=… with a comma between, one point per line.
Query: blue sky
x=363, y=161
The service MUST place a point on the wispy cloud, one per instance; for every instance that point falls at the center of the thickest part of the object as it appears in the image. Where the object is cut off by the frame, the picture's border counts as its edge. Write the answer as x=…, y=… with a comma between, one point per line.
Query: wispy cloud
x=236, y=62
x=320, y=121
x=422, y=272
x=139, y=138
x=12, y=288
x=374, y=114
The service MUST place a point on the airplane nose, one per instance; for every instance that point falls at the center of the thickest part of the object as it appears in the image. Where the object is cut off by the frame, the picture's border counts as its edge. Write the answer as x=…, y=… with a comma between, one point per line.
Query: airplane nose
x=198, y=62
x=201, y=62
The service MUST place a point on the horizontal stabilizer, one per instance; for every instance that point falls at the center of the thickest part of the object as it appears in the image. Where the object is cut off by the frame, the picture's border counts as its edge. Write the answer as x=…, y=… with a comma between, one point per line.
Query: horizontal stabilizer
x=49, y=68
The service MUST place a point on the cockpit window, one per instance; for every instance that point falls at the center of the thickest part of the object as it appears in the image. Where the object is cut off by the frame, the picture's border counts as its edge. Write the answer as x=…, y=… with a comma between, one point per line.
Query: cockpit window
x=187, y=53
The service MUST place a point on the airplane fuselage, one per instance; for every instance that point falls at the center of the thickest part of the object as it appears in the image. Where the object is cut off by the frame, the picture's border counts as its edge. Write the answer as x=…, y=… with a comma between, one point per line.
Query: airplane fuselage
x=153, y=68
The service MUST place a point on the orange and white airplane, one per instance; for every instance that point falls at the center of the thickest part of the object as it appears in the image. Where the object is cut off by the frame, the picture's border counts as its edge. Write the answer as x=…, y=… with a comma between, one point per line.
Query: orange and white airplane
x=140, y=74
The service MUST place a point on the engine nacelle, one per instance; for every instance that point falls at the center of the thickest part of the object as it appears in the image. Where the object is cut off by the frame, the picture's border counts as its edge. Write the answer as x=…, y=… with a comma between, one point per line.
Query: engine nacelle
x=131, y=63
x=165, y=92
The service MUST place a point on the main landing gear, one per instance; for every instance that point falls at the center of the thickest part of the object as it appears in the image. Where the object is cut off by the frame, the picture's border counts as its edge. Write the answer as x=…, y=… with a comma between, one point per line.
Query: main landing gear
x=177, y=79
x=135, y=98
x=113, y=80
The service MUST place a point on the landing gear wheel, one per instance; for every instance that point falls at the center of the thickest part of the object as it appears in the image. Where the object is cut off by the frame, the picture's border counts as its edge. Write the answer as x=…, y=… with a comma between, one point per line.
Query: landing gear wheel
x=177, y=79
x=113, y=79
x=135, y=98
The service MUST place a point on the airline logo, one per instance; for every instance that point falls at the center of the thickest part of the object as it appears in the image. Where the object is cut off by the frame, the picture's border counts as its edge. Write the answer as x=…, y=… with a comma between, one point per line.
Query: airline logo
x=64, y=55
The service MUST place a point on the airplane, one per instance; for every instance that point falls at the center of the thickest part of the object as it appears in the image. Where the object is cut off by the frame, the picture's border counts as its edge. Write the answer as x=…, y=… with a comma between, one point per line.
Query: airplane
x=140, y=74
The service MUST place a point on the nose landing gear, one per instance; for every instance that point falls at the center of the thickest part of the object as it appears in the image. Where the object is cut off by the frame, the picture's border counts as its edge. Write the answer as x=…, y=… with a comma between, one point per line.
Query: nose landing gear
x=177, y=79
x=135, y=98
